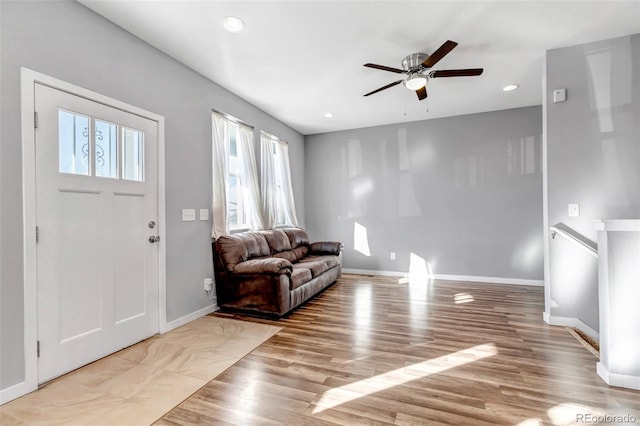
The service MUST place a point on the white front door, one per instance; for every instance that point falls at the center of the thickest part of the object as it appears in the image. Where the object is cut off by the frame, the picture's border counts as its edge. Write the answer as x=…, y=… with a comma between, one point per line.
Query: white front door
x=96, y=208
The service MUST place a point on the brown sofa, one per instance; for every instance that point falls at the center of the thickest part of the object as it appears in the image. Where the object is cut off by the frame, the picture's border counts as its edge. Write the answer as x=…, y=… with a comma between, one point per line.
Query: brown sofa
x=272, y=272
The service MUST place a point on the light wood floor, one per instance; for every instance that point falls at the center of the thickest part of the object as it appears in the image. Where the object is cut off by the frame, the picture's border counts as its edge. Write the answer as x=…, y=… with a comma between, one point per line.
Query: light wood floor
x=139, y=384
x=378, y=350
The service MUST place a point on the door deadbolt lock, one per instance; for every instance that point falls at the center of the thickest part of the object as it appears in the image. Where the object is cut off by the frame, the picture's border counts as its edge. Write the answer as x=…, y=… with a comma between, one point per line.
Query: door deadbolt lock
x=152, y=224
x=154, y=239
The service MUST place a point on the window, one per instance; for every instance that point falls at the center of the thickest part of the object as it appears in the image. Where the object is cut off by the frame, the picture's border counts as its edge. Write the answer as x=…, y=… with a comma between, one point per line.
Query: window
x=132, y=154
x=276, y=182
x=236, y=195
x=73, y=143
x=282, y=216
x=108, y=150
x=236, y=213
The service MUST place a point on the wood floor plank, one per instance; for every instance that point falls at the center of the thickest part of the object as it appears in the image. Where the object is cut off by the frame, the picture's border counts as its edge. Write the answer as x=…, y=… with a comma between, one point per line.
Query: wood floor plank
x=379, y=350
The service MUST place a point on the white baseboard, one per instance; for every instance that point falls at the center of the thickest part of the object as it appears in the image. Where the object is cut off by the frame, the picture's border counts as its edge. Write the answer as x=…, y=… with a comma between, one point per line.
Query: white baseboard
x=190, y=317
x=492, y=280
x=465, y=278
x=16, y=391
x=371, y=272
x=571, y=322
x=615, y=379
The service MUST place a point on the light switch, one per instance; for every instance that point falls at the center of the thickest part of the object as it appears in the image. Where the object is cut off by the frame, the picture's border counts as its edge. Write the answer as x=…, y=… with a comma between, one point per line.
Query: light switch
x=188, y=215
x=204, y=214
x=574, y=210
x=559, y=95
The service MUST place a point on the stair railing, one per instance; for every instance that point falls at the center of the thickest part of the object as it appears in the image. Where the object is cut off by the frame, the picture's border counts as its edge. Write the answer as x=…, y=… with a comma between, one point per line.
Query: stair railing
x=570, y=235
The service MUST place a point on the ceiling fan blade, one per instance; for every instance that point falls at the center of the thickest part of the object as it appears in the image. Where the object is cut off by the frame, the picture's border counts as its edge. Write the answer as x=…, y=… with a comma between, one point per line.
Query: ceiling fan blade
x=422, y=93
x=456, y=73
x=384, y=87
x=384, y=68
x=446, y=47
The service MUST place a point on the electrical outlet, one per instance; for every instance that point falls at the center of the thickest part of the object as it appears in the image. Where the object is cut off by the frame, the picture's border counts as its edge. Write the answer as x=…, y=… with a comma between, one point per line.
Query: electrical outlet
x=208, y=284
x=392, y=255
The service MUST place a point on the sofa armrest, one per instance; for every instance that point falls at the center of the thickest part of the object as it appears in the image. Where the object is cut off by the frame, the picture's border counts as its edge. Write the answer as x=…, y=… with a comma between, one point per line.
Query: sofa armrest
x=326, y=247
x=269, y=265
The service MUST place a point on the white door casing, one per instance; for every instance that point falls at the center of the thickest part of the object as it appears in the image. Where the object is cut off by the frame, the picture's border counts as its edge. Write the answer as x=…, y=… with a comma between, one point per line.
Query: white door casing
x=97, y=271
x=28, y=80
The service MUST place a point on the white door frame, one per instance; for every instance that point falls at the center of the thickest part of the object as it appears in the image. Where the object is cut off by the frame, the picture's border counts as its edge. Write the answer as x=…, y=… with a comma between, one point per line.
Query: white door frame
x=28, y=79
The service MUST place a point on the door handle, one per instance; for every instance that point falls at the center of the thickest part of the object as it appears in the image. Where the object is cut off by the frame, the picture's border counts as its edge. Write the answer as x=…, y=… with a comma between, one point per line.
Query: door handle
x=154, y=239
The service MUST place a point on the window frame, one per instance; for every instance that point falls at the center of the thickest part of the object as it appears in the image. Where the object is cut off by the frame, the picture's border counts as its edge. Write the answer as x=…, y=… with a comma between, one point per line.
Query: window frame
x=117, y=149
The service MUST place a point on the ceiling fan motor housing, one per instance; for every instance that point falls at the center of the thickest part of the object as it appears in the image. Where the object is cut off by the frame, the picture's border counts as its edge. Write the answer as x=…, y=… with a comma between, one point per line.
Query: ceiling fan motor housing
x=414, y=61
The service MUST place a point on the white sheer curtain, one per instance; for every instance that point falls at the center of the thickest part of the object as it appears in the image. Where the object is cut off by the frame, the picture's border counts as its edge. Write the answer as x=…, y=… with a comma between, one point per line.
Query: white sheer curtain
x=249, y=177
x=220, y=155
x=277, y=191
x=268, y=183
x=288, y=203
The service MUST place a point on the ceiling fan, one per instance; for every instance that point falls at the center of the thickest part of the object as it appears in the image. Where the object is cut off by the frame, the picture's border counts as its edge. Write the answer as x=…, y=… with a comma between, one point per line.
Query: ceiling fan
x=416, y=66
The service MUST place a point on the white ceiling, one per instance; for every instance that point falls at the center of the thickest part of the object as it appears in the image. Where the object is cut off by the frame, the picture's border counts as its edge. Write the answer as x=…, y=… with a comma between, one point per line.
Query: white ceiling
x=297, y=60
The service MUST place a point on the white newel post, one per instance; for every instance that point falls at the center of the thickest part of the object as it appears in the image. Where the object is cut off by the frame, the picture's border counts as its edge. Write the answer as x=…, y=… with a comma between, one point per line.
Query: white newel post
x=619, y=292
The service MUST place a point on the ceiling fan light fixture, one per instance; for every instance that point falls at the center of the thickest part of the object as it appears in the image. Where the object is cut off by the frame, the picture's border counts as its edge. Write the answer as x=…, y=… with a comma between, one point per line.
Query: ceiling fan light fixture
x=415, y=81
x=233, y=24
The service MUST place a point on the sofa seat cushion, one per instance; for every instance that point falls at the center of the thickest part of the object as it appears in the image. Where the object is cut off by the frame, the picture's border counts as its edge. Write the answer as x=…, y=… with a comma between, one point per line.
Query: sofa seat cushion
x=318, y=264
x=299, y=276
x=329, y=260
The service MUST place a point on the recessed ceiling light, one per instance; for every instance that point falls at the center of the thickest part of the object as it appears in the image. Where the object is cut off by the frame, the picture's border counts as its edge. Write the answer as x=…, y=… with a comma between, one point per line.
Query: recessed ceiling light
x=233, y=24
x=510, y=87
x=328, y=115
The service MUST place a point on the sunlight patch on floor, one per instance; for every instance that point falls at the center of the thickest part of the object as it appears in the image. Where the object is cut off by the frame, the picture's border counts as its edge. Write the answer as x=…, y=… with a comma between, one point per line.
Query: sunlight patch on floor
x=530, y=422
x=572, y=413
x=347, y=393
x=460, y=298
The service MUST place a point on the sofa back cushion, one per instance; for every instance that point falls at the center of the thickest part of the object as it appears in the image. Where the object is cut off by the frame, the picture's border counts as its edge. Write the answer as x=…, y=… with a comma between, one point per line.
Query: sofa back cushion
x=297, y=237
x=236, y=248
x=293, y=255
x=278, y=241
x=288, y=243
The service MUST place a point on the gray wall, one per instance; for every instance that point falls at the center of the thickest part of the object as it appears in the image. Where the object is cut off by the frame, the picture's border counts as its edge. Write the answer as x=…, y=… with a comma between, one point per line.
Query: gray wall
x=463, y=193
x=593, y=158
x=68, y=41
